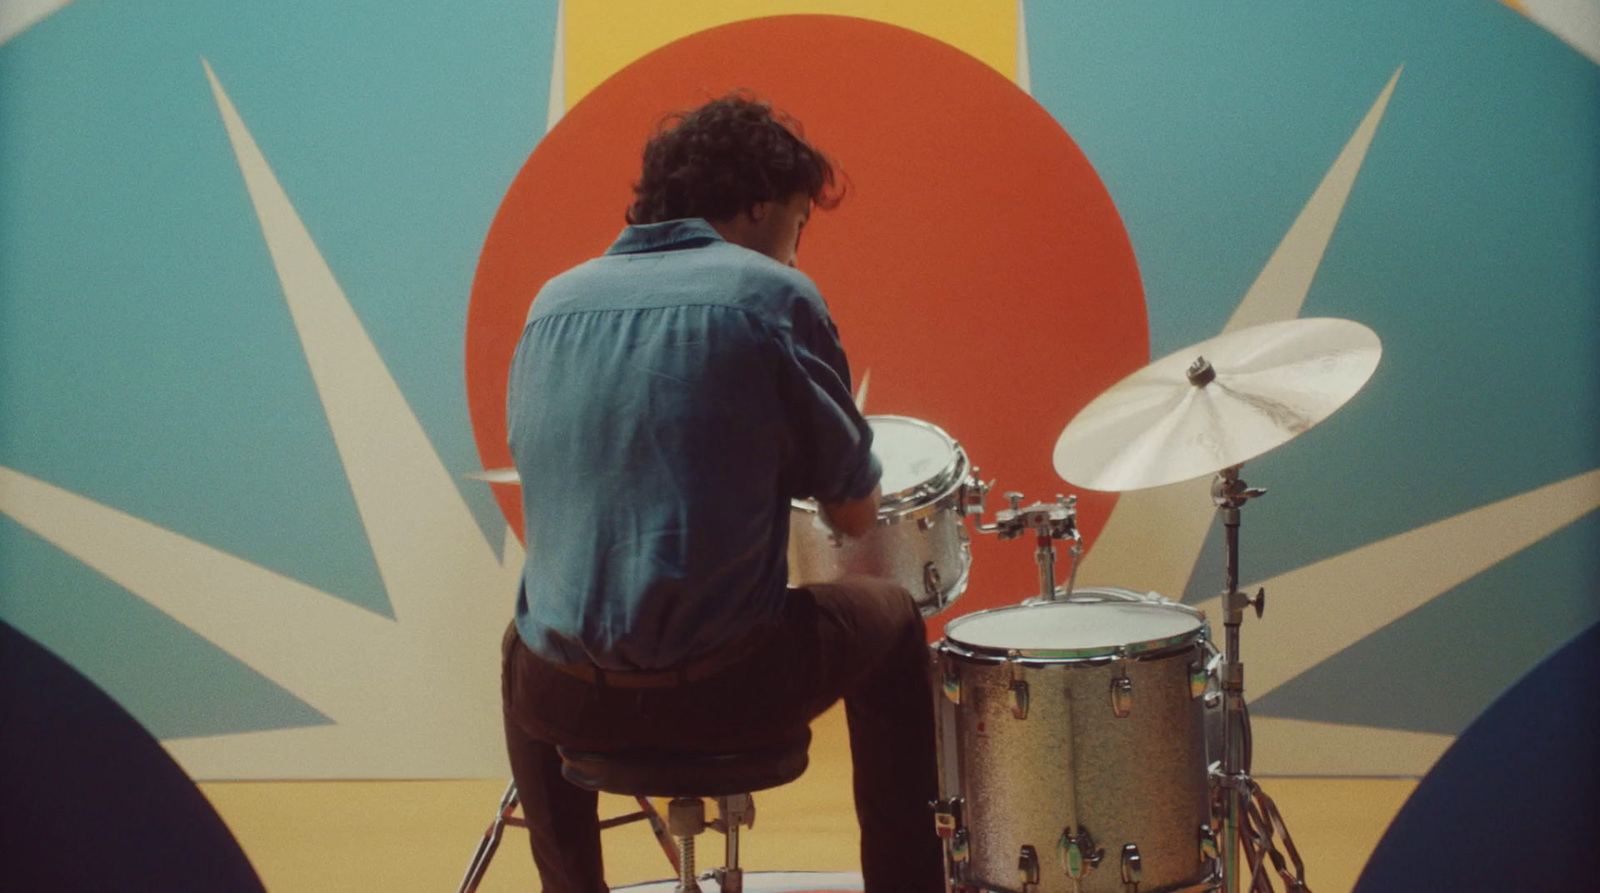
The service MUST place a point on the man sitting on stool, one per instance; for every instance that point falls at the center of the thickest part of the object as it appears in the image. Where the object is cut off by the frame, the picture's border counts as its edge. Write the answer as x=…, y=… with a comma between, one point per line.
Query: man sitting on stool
x=667, y=401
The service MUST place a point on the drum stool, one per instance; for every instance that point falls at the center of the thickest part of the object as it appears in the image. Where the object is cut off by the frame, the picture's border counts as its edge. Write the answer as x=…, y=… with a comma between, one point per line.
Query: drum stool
x=729, y=777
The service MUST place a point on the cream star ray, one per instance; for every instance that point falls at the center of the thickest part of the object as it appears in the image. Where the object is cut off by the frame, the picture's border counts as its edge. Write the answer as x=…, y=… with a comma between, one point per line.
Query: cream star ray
x=179, y=575
x=17, y=16
x=557, y=105
x=1323, y=608
x=1299, y=747
x=1024, y=76
x=1178, y=516
x=1575, y=21
x=415, y=696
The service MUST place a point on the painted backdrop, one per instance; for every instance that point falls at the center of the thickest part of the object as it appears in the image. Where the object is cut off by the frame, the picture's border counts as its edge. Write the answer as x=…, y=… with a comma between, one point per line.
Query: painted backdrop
x=260, y=266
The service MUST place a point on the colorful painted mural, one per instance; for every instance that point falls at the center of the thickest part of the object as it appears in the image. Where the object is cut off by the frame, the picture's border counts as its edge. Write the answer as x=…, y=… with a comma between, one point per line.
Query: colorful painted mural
x=260, y=269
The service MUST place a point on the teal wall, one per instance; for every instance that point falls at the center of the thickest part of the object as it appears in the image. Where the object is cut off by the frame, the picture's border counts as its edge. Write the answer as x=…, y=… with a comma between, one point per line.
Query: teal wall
x=147, y=361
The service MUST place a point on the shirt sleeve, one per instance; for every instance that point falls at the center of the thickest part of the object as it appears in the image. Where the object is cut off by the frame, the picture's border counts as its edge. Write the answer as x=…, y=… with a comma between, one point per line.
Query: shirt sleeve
x=832, y=456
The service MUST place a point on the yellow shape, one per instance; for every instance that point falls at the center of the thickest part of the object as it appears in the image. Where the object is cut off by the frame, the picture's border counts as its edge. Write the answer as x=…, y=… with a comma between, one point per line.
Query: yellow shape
x=1303, y=747
x=603, y=36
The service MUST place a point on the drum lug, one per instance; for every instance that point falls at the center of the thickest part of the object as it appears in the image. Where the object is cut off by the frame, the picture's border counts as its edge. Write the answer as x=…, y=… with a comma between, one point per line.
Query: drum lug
x=951, y=681
x=1203, y=671
x=931, y=582
x=974, y=493
x=1028, y=869
x=1198, y=680
x=1018, y=689
x=947, y=817
x=1019, y=699
x=958, y=850
x=1079, y=855
x=1121, y=689
x=1208, y=844
x=1132, y=867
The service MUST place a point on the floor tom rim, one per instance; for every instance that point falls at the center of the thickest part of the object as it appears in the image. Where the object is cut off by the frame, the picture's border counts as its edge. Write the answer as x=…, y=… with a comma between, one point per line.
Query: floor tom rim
x=1145, y=649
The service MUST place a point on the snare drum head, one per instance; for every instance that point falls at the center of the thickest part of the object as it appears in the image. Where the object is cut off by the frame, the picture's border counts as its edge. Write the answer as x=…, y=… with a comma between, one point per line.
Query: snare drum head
x=918, y=458
x=1077, y=629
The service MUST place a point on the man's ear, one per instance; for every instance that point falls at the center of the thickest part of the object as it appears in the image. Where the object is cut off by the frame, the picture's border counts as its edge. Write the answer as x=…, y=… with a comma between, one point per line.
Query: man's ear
x=759, y=211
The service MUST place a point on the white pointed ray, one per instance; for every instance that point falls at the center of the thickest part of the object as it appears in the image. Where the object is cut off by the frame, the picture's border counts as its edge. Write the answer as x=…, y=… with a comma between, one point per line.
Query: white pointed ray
x=415, y=696
x=1153, y=536
x=1299, y=747
x=1575, y=21
x=17, y=16
x=421, y=529
x=276, y=625
x=861, y=392
x=558, y=71
x=1024, y=75
x=1323, y=608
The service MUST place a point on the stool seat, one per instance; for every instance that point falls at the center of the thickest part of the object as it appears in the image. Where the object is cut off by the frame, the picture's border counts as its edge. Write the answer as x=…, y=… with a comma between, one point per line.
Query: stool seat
x=648, y=772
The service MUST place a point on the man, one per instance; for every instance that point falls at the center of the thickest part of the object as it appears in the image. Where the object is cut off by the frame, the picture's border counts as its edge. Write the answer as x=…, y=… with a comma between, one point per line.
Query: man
x=667, y=400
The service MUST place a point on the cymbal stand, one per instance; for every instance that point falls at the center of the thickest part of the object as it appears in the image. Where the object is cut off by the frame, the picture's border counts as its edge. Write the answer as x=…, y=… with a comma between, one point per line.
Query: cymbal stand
x=1049, y=521
x=1230, y=493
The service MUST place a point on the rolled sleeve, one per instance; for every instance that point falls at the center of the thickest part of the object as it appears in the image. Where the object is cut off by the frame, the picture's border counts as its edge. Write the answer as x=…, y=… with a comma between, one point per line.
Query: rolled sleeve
x=833, y=460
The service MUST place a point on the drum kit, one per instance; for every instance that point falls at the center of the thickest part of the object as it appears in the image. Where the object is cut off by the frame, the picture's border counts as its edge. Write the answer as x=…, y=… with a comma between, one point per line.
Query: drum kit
x=1096, y=740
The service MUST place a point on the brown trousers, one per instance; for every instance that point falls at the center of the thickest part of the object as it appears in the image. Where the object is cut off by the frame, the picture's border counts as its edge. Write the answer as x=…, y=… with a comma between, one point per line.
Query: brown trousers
x=860, y=639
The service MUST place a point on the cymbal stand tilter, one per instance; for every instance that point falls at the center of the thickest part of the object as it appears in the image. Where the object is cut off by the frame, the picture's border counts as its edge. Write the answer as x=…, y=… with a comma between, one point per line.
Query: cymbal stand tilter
x=1049, y=521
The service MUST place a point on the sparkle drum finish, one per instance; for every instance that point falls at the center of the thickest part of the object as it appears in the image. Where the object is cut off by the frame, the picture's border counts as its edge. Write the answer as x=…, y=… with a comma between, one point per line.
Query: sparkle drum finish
x=920, y=540
x=1072, y=746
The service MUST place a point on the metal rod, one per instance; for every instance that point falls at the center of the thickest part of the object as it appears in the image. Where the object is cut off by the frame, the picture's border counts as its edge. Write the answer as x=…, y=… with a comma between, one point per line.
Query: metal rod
x=1045, y=554
x=1230, y=494
x=1076, y=551
x=1232, y=694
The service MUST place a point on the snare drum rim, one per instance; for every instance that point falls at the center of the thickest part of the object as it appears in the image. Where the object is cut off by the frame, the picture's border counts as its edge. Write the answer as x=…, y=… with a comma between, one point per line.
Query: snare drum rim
x=941, y=492
x=1148, y=649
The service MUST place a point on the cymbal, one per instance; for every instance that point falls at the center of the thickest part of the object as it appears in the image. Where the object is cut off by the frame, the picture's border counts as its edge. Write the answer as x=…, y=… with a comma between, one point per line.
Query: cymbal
x=1182, y=417
x=494, y=476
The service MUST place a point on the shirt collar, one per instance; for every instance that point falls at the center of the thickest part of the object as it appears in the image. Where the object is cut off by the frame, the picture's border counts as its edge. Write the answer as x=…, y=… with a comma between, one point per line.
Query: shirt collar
x=669, y=235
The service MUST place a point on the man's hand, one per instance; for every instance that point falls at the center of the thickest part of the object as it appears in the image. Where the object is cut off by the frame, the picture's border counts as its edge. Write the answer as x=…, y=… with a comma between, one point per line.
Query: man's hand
x=853, y=518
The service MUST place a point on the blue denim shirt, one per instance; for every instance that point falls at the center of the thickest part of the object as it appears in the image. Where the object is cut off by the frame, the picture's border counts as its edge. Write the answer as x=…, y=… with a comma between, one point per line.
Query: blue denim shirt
x=666, y=401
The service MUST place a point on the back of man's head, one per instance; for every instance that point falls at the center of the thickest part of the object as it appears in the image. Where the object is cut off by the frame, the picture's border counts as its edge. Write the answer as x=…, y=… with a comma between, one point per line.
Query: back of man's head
x=722, y=158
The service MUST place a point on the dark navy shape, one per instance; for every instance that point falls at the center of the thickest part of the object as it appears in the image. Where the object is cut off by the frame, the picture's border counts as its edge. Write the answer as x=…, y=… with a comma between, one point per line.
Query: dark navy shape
x=1514, y=804
x=89, y=801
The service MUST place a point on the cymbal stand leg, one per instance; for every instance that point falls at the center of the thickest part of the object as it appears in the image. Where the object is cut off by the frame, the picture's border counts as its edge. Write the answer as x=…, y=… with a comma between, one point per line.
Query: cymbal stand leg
x=1230, y=493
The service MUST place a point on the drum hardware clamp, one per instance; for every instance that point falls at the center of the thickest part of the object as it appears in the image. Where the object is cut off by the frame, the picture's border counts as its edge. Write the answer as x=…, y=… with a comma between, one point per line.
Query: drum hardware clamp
x=1049, y=521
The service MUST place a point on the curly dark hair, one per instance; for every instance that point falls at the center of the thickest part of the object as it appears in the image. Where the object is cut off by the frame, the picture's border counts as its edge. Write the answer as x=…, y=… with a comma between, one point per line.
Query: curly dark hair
x=721, y=158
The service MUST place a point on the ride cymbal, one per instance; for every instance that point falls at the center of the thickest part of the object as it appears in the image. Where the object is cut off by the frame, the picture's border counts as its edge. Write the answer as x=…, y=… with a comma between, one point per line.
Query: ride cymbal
x=1216, y=404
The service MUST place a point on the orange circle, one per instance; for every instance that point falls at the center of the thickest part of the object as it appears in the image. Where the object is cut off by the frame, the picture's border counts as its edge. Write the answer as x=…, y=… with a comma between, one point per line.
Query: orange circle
x=977, y=267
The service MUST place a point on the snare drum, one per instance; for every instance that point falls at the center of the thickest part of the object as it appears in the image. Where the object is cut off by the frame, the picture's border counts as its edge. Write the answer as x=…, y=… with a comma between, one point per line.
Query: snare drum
x=1072, y=749
x=920, y=540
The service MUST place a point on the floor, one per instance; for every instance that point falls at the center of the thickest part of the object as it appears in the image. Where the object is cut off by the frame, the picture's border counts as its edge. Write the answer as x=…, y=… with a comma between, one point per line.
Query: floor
x=418, y=836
